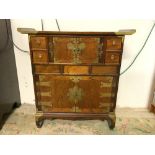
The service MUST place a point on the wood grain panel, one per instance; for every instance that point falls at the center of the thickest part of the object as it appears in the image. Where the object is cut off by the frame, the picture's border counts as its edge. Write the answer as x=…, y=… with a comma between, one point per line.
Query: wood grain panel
x=76, y=69
x=42, y=88
x=95, y=94
x=112, y=58
x=38, y=43
x=114, y=43
x=39, y=56
x=59, y=86
x=65, y=49
x=104, y=70
x=47, y=69
x=80, y=93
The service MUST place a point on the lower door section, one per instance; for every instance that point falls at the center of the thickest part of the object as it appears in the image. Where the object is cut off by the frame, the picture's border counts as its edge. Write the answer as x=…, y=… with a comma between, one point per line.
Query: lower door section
x=81, y=94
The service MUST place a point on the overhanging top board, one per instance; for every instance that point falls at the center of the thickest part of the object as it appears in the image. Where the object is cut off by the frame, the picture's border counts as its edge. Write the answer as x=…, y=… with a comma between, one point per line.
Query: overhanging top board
x=33, y=31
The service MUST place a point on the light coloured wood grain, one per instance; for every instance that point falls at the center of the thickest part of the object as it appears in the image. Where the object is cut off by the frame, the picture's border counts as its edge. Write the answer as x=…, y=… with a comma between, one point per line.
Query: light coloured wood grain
x=33, y=31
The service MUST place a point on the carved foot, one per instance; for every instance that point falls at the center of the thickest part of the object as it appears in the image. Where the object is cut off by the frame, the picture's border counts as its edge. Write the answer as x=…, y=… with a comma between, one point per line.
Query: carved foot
x=111, y=120
x=39, y=123
x=39, y=119
x=111, y=124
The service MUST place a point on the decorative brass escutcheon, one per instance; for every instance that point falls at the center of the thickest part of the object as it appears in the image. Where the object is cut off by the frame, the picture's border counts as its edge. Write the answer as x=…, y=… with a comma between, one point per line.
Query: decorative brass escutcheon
x=75, y=79
x=75, y=94
x=76, y=46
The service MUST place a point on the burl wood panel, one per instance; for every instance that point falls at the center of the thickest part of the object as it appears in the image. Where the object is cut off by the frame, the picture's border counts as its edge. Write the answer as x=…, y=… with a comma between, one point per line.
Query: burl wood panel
x=56, y=99
x=76, y=69
x=105, y=70
x=75, y=93
x=76, y=49
x=113, y=58
x=47, y=69
x=38, y=43
x=114, y=43
x=39, y=56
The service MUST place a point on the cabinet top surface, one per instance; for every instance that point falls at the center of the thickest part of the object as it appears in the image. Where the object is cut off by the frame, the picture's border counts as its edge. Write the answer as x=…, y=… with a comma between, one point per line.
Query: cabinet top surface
x=32, y=31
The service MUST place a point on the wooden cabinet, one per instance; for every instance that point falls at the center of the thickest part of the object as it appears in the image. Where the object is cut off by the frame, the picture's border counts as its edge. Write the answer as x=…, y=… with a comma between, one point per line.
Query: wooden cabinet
x=76, y=74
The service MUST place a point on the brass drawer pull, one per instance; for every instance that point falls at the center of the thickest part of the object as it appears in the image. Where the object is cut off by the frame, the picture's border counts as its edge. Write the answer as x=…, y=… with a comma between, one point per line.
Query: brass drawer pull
x=38, y=42
x=112, y=57
x=113, y=42
x=40, y=55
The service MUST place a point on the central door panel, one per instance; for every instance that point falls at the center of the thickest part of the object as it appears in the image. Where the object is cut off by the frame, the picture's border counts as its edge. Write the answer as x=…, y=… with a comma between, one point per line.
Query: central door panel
x=75, y=49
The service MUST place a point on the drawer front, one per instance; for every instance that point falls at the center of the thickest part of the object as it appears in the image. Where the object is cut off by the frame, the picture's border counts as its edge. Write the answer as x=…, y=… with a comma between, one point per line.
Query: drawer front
x=47, y=69
x=39, y=56
x=75, y=49
x=76, y=69
x=38, y=43
x=75, y=93
x=104, y=70
x=112, y=58
x=114, y=43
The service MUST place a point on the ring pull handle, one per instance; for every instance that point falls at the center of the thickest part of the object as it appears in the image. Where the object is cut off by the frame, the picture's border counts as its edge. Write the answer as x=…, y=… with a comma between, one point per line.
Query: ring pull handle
x=112, y=57
x=38, y=42
x=40, y=55
x=113, y=42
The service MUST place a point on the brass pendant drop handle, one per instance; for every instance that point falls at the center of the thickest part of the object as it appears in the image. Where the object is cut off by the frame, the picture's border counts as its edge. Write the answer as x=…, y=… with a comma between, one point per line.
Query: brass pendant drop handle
x=113, y=42
x=40, y=55
x=112, y=57
x=76, y=49
x=38, y=42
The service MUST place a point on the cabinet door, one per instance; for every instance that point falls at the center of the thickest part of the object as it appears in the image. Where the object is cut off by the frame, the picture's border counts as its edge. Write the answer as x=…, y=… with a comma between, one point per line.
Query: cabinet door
x=75, y=49
x=98, y=94
x=75, y=93
x=52, y=93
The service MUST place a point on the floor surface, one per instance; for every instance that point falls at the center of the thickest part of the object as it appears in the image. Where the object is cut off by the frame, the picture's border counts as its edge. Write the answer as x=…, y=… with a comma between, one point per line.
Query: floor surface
x=128, y=122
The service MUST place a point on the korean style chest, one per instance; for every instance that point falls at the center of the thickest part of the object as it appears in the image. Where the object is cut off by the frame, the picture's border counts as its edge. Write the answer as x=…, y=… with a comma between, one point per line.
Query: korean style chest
x=76, y=74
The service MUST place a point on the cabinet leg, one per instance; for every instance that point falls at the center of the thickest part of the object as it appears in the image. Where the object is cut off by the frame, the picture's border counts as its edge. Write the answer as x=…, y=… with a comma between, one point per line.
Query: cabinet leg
x=39, y=123
x=111, y=120
x=39, y=119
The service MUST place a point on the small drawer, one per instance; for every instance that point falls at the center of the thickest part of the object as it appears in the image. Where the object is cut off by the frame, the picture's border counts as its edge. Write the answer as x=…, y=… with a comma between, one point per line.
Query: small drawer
x=112, y=58
x=40, y=56
x=104, y=70
x=76, y=69
x=114, y=43
x=38, y=43
x=47, y=69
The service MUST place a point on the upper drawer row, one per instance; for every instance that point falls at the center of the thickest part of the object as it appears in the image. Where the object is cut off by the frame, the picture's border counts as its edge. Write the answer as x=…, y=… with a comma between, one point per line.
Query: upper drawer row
x=76, y=49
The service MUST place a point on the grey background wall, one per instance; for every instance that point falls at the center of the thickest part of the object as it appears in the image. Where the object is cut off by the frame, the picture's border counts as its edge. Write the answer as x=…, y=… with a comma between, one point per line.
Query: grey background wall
x=9, y=88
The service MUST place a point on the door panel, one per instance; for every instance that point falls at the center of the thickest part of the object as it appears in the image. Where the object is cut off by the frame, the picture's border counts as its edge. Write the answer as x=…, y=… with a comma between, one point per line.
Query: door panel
x=98, y=94
x=75, y=93
x=76, y=49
